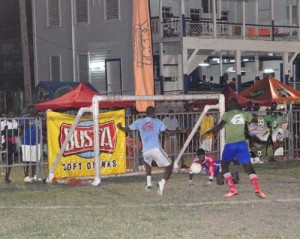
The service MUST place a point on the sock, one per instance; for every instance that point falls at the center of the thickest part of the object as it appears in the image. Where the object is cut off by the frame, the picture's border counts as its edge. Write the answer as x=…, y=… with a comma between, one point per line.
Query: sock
x=255, y=183
x=149, y=180
x=229, y=180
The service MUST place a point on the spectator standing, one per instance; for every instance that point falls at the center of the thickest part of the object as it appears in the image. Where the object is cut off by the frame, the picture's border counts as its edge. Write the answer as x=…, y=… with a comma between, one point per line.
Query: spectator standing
x=9, y=132
x=150, y=128
x=171, y=145
x=134, y=149
x=30, y=143
x=224, y=79
x=236, y=146
x=207, y=123
x=272, y=119
x=232, y=84
x=257, y=79
x=249, y=106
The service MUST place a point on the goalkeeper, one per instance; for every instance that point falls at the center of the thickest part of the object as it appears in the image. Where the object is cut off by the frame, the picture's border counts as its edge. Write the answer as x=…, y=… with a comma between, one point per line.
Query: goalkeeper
x=212, y=168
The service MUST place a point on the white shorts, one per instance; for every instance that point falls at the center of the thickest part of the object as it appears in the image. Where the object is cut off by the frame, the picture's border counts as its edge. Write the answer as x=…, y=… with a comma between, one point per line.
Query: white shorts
x=157, y=155
x=31, y=153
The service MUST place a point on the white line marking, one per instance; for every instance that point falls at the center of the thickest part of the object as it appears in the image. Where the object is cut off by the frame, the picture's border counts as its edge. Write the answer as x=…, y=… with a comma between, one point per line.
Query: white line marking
x=153, y=205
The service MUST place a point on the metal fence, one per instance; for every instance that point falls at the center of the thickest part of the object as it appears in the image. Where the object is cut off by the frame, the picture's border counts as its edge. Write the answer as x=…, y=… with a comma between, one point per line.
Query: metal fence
x=12, y=132
x=185, y=121
x=291, y=140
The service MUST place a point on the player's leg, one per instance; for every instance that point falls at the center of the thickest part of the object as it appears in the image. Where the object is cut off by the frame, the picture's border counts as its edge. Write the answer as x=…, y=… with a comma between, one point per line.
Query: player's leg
x=229, y=180
x=10, y=155
x=148, y=161
x=162, y=160
x=243, y=156
x=9, y=162
x=227, y=157
x=191, y=175
x=218, y=174
x=254, y=180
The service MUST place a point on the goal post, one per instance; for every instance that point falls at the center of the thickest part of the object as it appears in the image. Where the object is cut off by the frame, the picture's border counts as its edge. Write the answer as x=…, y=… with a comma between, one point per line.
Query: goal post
x=194, y=130
x=95, y=109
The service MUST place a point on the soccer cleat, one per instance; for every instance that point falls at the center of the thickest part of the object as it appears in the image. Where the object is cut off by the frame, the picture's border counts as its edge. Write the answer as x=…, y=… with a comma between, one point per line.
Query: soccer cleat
x=183, y=166
x=208, y=183
x=260, y=194
x=34, y=179
x=7, y=181
x=231, y=193
x=148, y=188
x=27, y=179
x=159, y=189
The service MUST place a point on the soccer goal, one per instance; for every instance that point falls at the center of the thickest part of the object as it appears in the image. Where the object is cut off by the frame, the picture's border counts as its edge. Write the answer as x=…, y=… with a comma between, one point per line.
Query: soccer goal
x=94, y=109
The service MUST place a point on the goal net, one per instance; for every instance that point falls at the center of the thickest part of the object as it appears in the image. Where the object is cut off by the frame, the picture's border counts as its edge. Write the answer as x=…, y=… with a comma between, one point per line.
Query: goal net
x=209, y=101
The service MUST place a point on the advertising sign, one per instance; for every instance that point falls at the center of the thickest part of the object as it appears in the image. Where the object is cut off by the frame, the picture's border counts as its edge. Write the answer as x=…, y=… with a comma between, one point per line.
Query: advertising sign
x=78, y=157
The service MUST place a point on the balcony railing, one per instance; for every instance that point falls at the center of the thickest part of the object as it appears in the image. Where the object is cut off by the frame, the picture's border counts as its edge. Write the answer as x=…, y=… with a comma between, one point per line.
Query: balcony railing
x=204, y=28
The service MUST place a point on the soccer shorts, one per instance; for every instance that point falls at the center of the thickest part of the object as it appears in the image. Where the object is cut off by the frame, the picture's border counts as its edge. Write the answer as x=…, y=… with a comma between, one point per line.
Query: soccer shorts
x=238, y=150
x=158, y=155
x=31, y=153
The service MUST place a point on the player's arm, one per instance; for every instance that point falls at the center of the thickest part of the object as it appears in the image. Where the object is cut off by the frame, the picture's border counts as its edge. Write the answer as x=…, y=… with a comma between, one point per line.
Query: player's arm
x=173, y=132
x=125, y=129
x=216, y=129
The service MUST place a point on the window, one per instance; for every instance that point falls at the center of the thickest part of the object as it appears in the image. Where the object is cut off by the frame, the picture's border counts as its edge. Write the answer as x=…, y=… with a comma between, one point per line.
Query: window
x=292, y=15
x=55, y=68
x=83, y=68
x=81, y=10
x=195, y=14
x=206, y=6
x=53, y=13
x=112, y=9
x=166, y=12
x=224, y=15
x=113, y=76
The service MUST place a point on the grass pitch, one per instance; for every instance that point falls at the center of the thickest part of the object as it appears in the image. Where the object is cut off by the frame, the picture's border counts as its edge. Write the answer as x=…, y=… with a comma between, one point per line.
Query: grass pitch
x=120, y=208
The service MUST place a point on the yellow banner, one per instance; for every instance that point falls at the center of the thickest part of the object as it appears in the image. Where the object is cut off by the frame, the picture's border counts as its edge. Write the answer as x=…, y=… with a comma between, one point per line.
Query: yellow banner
x=143, y=60
x=78, y=157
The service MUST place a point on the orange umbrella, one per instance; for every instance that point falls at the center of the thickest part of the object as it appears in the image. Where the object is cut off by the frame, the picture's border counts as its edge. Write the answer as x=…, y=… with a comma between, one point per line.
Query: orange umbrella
x=272, y=90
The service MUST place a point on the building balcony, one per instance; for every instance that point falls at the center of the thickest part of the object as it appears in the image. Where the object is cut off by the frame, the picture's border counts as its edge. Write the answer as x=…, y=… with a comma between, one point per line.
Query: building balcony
x=174, y=28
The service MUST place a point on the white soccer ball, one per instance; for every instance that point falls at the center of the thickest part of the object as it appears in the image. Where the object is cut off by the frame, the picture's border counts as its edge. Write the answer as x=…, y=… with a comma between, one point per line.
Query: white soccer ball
x=195, y=168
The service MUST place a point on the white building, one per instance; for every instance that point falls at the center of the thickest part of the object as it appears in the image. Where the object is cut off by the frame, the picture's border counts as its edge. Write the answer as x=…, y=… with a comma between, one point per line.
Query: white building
x=91, y=40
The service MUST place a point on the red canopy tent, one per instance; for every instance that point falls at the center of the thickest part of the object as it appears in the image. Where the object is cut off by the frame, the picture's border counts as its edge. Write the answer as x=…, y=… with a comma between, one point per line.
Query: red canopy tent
x=243, y=101
x=272, y=90
x=228, y=93
x=80, y=96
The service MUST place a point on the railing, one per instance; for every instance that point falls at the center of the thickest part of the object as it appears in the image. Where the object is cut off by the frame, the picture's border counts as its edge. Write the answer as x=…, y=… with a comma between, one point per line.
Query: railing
x=295, y=85
x=204, y=29
x=234, y=30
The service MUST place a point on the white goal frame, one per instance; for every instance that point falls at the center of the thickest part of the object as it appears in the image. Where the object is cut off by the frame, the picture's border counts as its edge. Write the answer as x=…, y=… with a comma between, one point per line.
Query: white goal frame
x=95, y=110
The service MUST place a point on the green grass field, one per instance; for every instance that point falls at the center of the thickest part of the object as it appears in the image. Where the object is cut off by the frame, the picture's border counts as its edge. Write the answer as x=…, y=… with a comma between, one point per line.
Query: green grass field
x=120, y=208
